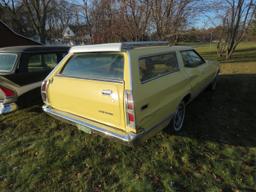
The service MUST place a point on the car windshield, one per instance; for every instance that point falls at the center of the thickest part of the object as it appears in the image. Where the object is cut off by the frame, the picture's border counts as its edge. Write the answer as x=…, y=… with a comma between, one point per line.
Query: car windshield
x=7, y=61
x=102, y=66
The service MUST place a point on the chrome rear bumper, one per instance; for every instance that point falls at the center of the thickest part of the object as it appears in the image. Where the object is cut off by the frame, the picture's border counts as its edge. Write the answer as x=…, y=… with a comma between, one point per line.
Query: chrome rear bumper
x=96, y=128
x=101, y=129
x=7, y=108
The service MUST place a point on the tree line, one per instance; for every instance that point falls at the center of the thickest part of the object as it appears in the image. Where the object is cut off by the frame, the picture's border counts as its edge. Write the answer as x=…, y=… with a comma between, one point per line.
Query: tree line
x=132, y=20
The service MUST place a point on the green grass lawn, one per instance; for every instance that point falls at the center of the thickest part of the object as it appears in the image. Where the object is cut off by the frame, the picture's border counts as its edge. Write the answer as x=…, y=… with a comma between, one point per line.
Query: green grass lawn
x=243, y=60
x=215, y=152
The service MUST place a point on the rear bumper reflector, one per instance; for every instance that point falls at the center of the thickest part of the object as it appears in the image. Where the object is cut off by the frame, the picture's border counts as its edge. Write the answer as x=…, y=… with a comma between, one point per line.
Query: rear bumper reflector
x=97, y=128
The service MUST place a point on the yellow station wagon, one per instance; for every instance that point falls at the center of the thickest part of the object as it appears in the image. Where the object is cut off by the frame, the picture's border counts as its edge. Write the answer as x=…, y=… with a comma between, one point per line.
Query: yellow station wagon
x=127, y=91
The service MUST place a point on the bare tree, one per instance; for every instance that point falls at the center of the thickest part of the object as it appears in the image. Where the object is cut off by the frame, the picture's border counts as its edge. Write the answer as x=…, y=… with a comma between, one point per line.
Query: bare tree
x=106, y=20
x=236, y=21
x=253, y=25
x=62, y=16
x=87, y=13
x=39, y=11
x=11, y=13
x=135, y=15
x=138, y=19
x=101, y=20
x=170, y=17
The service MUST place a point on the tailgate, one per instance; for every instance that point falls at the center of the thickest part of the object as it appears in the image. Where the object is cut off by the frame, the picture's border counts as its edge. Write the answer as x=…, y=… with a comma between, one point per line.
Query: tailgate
x=100, y=101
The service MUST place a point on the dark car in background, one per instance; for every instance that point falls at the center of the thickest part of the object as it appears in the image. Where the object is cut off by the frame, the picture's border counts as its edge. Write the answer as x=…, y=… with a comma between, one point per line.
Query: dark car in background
x=22, y=70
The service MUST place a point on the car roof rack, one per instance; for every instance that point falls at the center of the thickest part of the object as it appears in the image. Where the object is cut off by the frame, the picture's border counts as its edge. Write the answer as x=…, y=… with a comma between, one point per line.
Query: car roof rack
x=133, y=45
x=108, y=47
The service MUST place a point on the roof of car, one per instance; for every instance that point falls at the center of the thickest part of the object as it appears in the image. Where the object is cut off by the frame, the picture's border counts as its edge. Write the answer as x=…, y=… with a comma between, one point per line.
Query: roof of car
x=180, y=48
x=123, y=46
x=34, y=48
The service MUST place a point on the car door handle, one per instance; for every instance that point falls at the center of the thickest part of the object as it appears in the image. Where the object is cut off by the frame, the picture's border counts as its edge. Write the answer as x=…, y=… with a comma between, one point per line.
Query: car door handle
x=106, y=92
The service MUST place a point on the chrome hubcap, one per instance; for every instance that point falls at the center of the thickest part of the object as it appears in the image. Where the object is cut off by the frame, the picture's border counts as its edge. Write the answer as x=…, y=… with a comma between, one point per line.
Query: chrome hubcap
x=179, y=117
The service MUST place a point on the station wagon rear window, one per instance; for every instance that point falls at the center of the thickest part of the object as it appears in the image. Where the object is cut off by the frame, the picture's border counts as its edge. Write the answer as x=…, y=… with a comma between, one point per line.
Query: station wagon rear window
x=155, y=66
x=101, y=66
x=7, y=61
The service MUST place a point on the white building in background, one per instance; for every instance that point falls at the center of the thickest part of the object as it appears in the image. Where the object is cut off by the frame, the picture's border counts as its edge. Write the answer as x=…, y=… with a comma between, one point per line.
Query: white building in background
x=68, y=36
x=72, y=35
x=68, y=33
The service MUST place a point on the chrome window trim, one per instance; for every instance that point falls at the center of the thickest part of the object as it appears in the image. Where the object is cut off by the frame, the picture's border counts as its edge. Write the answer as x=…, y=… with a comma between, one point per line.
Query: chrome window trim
x=92, y=79
x=130, y=69
x=59, y=73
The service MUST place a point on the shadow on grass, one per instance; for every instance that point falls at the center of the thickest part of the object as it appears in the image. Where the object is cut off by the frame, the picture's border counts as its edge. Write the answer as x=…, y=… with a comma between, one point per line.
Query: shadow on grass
x=226, y=116
x=246, y=50
x=30, y=99
x=40, y=152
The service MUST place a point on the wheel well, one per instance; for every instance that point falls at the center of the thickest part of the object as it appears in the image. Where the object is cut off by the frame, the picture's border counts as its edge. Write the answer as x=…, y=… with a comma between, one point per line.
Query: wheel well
x=187, y=98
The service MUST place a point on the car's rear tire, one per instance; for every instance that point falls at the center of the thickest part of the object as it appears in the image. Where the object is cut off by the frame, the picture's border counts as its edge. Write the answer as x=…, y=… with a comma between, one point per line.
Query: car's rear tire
x=176, y=124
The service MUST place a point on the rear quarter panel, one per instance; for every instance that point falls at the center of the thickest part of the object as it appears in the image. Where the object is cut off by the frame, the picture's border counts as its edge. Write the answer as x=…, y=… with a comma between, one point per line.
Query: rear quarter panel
x=214, y=68
x=209, y=71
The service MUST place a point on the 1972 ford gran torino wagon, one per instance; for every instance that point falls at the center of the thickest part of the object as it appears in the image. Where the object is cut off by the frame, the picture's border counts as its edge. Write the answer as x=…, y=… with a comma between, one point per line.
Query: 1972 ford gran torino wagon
x=22, y=70
x=127, y=91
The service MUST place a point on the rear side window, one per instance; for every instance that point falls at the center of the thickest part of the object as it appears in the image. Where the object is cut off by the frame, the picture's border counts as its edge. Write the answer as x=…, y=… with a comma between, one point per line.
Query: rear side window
x=50, y=60
x=42, y=62
x=35, y=63
x=102, y=66
x=7, y=61
x=192, y=58
x=155, y=66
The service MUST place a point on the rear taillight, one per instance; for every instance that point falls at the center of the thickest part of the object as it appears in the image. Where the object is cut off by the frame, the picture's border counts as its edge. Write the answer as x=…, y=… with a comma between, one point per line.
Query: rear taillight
x=44, y=88
x=130, y=111
x=7, y=92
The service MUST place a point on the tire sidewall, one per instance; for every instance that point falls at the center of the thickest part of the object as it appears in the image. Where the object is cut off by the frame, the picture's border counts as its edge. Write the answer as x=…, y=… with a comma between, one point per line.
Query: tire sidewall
x=172, y=126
